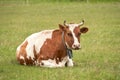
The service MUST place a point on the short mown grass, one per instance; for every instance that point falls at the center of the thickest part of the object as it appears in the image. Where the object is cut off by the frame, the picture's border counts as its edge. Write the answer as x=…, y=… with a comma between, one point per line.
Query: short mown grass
x=99, y=58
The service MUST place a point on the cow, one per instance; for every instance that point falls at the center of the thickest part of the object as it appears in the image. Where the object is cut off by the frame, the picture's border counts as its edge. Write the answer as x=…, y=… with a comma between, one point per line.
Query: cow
x=51, y=48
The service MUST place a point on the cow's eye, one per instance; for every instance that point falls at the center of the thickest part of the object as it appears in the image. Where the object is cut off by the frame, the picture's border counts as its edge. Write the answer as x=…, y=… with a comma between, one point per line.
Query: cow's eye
x=79, y=34
x=69, y=34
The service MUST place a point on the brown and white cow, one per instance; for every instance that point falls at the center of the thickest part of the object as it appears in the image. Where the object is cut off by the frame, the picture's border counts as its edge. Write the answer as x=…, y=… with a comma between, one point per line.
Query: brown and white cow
x=51, y=48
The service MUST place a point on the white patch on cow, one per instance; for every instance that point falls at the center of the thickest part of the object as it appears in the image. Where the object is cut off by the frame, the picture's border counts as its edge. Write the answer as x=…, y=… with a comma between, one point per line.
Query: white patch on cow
x=70, y=63
x=72, y=27
x=17, y=51
x=67, y=45
x=52, y=63
x=58, y=59
x=47, y=34
x=48, y=63
x=29, y=48
x=37, y=40
x=35, y=62
x=22, y=58
x=18, y=48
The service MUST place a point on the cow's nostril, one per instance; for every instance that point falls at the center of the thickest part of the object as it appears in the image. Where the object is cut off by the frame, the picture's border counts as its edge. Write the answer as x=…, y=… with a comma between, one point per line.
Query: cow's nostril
x=73, y=45
x=76, y=46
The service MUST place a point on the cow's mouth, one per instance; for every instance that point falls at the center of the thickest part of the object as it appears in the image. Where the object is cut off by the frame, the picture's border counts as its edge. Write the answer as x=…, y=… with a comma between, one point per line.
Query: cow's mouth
x=77, y=48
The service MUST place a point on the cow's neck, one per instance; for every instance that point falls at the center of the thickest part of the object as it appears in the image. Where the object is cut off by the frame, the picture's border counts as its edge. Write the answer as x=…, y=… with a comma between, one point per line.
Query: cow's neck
x=59, y=37
x=69, y=51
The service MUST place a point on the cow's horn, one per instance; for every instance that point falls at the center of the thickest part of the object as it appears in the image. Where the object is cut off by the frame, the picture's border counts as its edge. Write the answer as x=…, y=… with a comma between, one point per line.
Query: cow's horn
x=64, y=22
x=81, y=23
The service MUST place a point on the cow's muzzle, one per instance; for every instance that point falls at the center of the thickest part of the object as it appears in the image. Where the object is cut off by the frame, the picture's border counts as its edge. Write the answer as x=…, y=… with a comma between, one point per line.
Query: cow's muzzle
x=76, y=47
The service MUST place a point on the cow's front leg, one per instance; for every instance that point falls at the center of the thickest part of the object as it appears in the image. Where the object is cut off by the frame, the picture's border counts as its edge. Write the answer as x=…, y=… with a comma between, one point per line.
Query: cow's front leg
x=69, y=63
x=51, y=63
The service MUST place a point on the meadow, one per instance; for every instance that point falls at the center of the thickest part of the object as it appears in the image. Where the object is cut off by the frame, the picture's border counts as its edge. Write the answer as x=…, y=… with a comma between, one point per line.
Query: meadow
x=99, y=58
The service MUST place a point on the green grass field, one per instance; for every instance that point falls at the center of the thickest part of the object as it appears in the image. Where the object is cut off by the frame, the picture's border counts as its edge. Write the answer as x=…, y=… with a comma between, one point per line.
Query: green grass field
x=99, y=58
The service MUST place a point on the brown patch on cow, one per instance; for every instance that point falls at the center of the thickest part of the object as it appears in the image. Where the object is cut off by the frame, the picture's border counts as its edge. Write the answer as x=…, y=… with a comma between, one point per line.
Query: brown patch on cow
x=53, y=48
x=69, y=37
x=77, y=33
x=35, y=53
x=22, y=53
x=30, y=61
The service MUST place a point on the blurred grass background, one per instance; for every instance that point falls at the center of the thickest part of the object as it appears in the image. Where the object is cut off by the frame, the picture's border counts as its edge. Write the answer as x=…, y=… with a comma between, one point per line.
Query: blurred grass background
x=99, y=58
x=39, y=1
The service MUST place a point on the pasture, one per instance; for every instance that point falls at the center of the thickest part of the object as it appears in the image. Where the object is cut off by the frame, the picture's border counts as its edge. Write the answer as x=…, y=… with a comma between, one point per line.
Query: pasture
x=99, y=58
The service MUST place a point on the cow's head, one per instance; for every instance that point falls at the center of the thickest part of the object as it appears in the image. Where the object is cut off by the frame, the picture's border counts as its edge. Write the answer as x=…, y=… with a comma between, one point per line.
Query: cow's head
x=72, y=34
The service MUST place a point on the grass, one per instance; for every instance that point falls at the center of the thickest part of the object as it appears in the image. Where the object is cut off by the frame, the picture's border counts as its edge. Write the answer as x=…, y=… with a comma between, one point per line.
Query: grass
x=99, y=58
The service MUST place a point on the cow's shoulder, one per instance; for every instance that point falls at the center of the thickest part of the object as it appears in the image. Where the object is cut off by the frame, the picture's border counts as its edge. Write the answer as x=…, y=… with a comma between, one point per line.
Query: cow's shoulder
x=39, y=36
x=38, y=39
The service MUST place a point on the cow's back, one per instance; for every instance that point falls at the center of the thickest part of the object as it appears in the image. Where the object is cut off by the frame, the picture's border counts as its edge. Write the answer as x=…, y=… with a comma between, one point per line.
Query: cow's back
x=27, y=51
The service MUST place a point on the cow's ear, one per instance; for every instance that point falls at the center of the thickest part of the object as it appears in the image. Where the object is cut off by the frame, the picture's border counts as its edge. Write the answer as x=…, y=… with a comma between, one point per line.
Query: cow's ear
x=61, y=27
x=83, y=29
